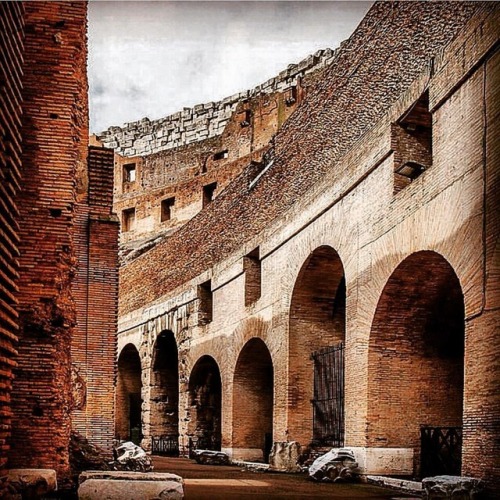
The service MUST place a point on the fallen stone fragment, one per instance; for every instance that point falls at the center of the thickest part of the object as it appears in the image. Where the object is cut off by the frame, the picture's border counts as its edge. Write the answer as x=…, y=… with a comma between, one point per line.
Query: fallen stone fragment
x=126, y=485
x=456, y=487
x=32, y=483
x=210, y=457
x=131, y=458
x=339, y=464
x=284, y=456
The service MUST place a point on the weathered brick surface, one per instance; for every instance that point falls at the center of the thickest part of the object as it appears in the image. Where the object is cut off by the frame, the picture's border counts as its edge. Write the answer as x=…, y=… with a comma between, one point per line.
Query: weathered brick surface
x=420, y=263
x=181, y=173
x=58, y=242
x=209, y=120
x=11, y=47
x=93, y=345
x=54, y=152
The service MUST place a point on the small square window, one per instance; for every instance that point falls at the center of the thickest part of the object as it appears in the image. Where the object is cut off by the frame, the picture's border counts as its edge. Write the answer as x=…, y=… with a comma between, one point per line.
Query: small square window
x=129, y=172
x=166, y=209
x=221, y=155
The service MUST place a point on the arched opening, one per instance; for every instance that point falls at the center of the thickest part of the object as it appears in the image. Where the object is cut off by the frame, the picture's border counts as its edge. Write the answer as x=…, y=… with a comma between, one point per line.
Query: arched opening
x=205, y=401
x=416, y=364
x=253, y=391
x=316, y=351
x=128, y=396
x=165, y=395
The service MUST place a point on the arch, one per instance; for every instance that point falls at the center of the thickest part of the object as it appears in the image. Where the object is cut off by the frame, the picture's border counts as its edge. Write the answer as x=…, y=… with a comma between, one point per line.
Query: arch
x=416, y=356
x=317, y=326
x=205, y=404
x=253, y=394
x=164, y=398
x=128, y=424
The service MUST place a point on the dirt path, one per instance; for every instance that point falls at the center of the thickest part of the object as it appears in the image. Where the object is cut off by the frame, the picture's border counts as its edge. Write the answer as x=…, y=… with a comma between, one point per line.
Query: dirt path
x=208, y=482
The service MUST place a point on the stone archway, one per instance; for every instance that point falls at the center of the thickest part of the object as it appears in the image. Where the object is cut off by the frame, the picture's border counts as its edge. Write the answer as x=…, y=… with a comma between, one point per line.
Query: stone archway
x=416, y=357
x=253, y=392
x=317, y=325
x=164, y=395
x=128, y=396
x=205, y=404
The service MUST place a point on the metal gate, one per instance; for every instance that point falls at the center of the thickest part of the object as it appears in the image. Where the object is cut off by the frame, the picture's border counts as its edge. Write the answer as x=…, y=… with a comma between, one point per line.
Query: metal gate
x=328, y=402
x=441, y=451
x=165, y=445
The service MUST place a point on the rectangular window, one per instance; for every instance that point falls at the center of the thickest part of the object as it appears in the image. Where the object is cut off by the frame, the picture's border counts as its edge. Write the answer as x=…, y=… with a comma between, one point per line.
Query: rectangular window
x=411, y=141
x=221, y=155
x=252, y=269
x=246, y=117
x=205, y=304
x=291, y=95
x=166, y=209
x=209, y=193
x=129, y=172
x=128, y=219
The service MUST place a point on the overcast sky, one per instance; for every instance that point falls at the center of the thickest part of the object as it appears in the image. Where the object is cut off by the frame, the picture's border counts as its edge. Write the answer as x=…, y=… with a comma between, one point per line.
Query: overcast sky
x=154, y=58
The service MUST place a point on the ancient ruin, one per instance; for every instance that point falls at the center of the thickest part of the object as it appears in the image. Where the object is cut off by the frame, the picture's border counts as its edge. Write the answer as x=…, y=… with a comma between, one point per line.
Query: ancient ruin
x=313, y=276
x=313, y=262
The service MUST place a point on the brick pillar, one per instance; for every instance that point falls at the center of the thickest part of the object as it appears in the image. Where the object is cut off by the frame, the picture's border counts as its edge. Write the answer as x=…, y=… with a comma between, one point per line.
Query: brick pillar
x=55, y=138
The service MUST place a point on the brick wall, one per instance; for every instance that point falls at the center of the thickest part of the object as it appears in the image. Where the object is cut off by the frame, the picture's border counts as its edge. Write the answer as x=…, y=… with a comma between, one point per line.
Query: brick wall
x=93, y=346
x=420, y=263
x=54, y=153
x=181, y=173
x=11, y=47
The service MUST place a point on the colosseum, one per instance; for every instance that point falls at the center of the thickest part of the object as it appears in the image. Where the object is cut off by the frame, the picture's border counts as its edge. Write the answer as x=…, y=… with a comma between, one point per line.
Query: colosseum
x=314, y=260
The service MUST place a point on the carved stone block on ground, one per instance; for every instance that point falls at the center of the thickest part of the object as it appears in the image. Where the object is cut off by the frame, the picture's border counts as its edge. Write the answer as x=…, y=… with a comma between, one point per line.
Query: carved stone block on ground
x=209, y=457
x=284, y=456
x=32, y=483
x=337, y=465
x=125, y=485
x=131, y=458
x=455, y=487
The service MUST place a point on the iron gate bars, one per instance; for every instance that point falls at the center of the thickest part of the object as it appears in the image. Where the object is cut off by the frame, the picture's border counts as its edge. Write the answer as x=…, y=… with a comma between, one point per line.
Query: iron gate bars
x=328, y=402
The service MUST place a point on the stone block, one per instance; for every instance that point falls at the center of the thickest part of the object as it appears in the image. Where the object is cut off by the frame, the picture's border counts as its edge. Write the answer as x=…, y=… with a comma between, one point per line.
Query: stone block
x=453, y=487
x=122, y=485
x=284, y=456
x=32, y=483
x=209, y=457
x=338, y=464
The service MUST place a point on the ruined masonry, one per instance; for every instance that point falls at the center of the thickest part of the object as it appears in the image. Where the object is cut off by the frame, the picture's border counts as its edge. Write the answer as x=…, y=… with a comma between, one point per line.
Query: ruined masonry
x=324, y=261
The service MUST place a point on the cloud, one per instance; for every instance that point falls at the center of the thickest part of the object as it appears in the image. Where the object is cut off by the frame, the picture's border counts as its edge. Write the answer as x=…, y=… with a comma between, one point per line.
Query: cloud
x=154, y=58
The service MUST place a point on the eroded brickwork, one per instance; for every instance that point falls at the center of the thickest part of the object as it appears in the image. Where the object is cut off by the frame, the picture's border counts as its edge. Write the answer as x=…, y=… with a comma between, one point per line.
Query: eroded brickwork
x=58, y=242
x=93, y=345
x=11, y=48
x=178, y=176
x=54, y=151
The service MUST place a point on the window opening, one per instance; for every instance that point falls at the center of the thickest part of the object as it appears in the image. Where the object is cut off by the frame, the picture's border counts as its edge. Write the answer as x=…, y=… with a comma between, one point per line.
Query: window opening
x=205, y=308
x=128, y=219
x=412, y=143
x=129, y=172
x=209, y=193
x=221, y=155
x=166, y=209
x=253, y=277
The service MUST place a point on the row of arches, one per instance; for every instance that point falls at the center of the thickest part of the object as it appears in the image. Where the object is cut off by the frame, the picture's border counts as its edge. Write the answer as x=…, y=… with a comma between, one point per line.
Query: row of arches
x=415, y=365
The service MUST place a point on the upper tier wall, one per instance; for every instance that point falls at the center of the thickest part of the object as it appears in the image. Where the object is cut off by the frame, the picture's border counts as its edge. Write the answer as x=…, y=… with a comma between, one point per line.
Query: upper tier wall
x=203, y=121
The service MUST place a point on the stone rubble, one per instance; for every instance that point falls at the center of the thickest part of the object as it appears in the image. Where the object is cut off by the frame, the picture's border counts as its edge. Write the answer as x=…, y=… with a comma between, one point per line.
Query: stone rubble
x=339, y=464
